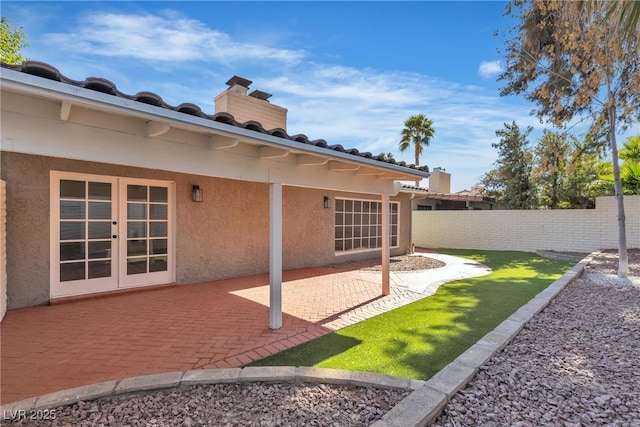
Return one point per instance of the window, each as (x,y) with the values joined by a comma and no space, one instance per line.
(358,224)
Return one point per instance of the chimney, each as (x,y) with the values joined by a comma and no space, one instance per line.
(245,106)
(239,85)
(439,181)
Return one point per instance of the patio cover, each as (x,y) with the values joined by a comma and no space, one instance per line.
(184,139)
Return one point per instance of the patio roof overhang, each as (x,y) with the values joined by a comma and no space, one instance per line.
(185,143)
(149,136)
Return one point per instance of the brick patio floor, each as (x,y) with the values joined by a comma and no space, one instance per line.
(216,324)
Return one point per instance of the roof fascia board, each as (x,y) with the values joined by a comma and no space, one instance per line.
(26,83)
(22,134)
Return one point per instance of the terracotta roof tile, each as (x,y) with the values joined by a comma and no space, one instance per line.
(49,72)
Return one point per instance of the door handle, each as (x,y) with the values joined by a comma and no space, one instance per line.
(115,236)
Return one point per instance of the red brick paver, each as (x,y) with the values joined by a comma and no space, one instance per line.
(217,324)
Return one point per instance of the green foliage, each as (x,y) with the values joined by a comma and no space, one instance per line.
(419,339)
(629,170)
(580,189)
(630,176)
(565,170)
(551,157)
(509,182)
(11,43)
(418,131)
(629,19)
(631,149)
(628,13)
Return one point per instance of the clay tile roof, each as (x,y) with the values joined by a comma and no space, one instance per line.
(49,72)
(447,196)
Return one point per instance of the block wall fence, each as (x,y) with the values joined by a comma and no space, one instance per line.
(577,230)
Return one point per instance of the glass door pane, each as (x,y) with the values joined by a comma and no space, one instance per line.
(85,239)
(147,229)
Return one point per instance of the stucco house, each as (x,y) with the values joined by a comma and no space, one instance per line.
(107,191)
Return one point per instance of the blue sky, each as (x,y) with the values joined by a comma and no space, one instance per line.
(348,72)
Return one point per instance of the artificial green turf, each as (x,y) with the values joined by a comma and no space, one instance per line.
(419,339)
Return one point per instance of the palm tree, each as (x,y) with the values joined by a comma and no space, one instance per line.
(628,17)
(418,131)
(630,169)
(631,149)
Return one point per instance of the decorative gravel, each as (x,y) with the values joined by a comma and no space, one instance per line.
(576,363)
(397,263)
(245,404)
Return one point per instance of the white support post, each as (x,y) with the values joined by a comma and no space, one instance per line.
(386,250)
(275,255)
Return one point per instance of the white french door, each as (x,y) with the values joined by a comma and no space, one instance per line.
(109,233)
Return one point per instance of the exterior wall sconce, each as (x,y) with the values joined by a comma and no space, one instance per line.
(197,194)
(327,202)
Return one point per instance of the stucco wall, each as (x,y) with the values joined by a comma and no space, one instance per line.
(3,250)
(227,235)
(580,230)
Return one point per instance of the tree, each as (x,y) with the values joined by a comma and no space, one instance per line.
(572,62)
(11,43)
(550,169)
(629,19)
(629,177)
(628,13)
(509,182)
(418,131)
(564,171)
(580,189)
(630,169)
(631,149)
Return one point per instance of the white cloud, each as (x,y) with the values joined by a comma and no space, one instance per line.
(163,38)
(490,68)
(357,108)
(365,109)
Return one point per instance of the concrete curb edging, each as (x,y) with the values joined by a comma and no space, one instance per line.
(424,405)
(421,407)
(180,379)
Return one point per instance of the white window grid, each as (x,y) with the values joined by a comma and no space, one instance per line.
(358,224)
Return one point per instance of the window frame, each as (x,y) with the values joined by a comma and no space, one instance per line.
(343,232)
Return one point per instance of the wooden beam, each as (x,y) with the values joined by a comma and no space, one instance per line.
(369,172)
(155,129)
(308,160)
(65,109)
(271,152)
(394,176)
(219,142)
(337,166)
